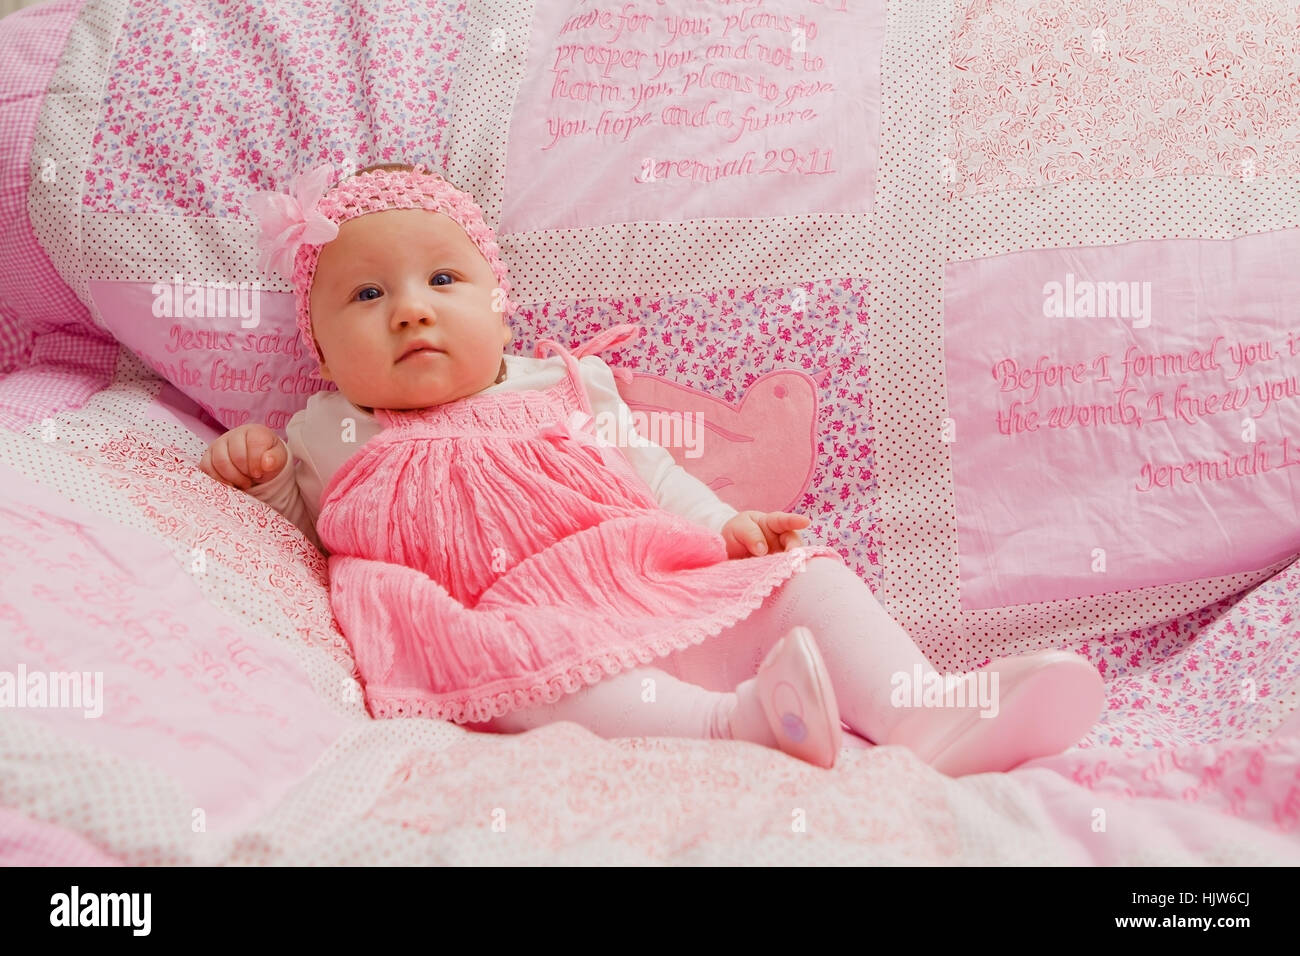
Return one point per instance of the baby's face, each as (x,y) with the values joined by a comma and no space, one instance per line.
(390,279)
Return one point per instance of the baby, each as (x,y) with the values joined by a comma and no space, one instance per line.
(494,563)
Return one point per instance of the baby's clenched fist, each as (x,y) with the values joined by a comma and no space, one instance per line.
(245,456)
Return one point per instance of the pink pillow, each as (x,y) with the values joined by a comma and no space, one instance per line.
(175,114)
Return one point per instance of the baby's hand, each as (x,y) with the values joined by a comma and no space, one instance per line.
(758,532)
(245,456)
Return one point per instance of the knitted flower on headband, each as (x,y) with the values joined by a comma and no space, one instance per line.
(294,227)
(289,221)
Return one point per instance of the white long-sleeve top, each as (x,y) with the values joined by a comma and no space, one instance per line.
(317,447)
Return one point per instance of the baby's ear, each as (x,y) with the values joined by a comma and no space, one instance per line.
(324,367)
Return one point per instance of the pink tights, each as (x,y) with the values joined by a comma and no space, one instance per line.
(694,692)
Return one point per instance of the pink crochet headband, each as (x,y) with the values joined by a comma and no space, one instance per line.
(296,225)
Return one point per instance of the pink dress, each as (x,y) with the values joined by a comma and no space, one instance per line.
(489,554)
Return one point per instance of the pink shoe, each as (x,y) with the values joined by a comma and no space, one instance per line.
(1046,702)
(798,700)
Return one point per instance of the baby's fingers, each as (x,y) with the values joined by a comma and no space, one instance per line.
(790,540)
(260,456)
(744,533)
(752,536)
(778,521)
(226,469)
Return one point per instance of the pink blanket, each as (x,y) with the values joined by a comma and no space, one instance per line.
(233,731)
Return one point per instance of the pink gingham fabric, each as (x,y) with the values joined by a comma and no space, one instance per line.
(43,325)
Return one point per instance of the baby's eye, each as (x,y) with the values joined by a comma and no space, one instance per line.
(447,274)
(368,288)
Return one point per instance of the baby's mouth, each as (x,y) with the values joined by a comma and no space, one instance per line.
(420,351)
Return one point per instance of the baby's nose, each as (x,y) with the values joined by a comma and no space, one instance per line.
(415,312)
